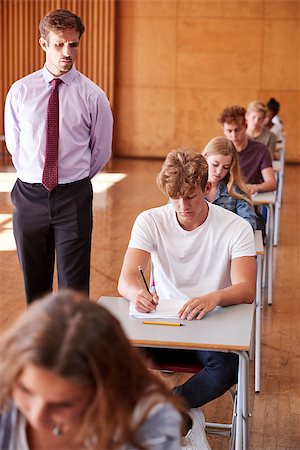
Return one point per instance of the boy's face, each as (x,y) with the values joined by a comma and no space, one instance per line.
(255,120)
(191,210)
(236,132)
(269,116)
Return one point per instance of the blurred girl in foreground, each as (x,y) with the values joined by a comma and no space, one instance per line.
(69,379)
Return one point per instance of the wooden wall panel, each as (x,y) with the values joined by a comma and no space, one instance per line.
(21,54)
(180,62)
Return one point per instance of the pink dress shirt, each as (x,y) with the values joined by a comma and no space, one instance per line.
(85,126)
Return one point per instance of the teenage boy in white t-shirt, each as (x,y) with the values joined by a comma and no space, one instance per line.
(200,252)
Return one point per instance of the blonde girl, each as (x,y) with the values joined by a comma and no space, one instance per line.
(227,186)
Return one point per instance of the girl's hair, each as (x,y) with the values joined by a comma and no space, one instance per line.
(222,146)
(182,172)
(82,342)
(273,105)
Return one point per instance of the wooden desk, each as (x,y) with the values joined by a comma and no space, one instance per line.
(224,329)
(268,199)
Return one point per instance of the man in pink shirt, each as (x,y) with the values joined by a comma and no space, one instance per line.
(56,222)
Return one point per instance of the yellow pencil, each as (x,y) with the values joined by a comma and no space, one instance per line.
(172,324)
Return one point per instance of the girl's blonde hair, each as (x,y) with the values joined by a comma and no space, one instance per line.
(222,146)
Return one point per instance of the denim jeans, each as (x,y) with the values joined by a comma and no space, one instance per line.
(219,373)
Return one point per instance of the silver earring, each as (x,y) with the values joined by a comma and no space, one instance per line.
(57,431)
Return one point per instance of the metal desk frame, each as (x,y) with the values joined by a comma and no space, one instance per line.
(226,329)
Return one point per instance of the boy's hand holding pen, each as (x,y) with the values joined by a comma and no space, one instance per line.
(145,301)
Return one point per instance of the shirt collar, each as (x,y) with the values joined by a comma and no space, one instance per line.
(67,78)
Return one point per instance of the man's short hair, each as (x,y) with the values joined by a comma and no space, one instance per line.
(257,106)
(182,172)
(233,114)
(58,20)
(273,105)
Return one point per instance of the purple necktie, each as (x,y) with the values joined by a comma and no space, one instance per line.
(50,171)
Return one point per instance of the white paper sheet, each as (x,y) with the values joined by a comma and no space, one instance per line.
(166,309)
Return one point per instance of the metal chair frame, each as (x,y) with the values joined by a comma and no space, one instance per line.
(220,429)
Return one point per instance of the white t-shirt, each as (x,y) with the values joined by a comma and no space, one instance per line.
(277,128)
(187,264)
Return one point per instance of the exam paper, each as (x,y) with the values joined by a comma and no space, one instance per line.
(167,308)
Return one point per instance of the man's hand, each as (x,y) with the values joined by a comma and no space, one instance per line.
(198,307)
(145,302)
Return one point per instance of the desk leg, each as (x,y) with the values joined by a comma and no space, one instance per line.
(281,175)
(239,409)
(264,273)
(258,323)
(242,429)
(252,345)
(270,254)
(276,224)
(276,221)
(245,362)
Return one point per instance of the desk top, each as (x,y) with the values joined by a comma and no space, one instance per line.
(264,198)
(226,328)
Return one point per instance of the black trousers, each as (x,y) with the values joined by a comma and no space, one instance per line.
(46,223)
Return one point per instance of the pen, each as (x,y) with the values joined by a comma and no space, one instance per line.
(144,279)
(146,284)
(172,324)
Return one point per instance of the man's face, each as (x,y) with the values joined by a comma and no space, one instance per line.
(255,120)
(191,210)
(61,50)
(236,132)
